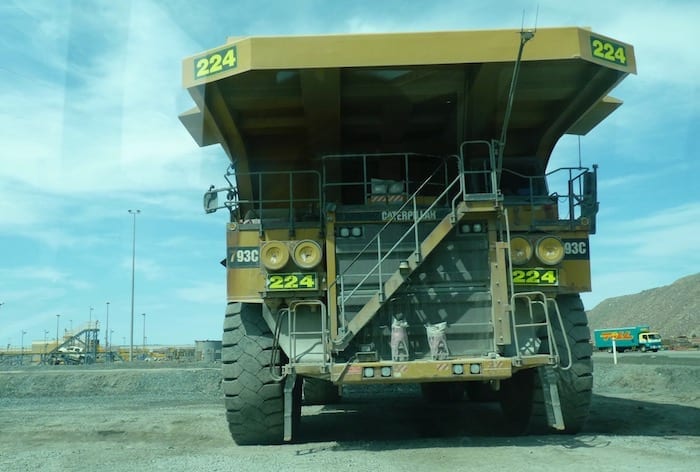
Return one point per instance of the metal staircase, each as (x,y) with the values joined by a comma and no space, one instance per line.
(397,279)
(461,204)
(312,341)
(85,337)
(380,289)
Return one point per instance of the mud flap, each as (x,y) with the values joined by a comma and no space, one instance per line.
(289,382)
(550,392)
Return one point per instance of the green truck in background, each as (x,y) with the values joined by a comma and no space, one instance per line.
(630,338)
(392,217)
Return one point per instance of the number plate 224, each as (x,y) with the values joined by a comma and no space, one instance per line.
(294,281)
(548,277)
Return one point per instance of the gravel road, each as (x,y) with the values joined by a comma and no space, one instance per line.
(645,416)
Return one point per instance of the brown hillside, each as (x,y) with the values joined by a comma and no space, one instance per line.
(672,310)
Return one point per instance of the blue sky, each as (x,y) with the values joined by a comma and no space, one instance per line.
(90,92)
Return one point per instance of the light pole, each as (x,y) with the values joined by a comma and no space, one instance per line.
(58,317)
(144,335)
(90,319)
(133,271)
(21,349)
(46,337)
(107,332)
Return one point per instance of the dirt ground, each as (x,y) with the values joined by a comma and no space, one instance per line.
(645,416)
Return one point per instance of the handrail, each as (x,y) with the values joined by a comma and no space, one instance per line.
(574,194)
(393,217)
(414,227)
(493,169)
(366,180)
(234,202)
(530,300)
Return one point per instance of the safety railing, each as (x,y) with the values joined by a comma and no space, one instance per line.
(572,202)
(479,174)
(533,300)
(299,200)
(375,244)
(372,178)
(462,187)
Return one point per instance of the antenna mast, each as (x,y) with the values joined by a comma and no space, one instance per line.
(525,36)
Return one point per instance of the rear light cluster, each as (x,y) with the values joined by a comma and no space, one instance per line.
(350,231)
(467,227)
(306,254)
(549,250)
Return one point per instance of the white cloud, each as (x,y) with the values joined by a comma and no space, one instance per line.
(669,234)
(90,114)
(645,176)
(37,274)
(117,129)
(639,253)
(624,181)
(671,231)
(621,282)
(203,292)
(144,266)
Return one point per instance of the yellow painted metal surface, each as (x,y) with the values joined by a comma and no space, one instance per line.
(575,276)
(246,279)
(499,290)
(428,370)
(397,49)
(282,102)
(243,284)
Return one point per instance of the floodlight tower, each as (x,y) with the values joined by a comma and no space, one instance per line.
(133,267)
(107,331)
(144,334)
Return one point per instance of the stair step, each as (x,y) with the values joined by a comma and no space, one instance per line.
(398,278)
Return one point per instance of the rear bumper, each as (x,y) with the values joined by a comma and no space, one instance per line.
(453,370)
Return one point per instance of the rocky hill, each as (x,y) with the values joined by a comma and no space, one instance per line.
(672,310)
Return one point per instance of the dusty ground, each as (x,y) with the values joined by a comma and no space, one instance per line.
(645,416)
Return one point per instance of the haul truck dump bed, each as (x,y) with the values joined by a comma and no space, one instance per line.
(392,218)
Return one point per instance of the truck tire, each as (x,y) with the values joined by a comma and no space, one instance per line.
(319,392)
(443,392)
(575,384)
(254,399)
(518,396)
(481,392)
(525,412)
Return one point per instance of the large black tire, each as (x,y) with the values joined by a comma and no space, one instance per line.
(254,398)
(575,384)
(517,396)
(481,392)
(443,392)
(319,392)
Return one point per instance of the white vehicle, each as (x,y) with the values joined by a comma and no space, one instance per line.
(71,349)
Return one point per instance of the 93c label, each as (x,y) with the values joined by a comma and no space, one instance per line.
(243,256)
(576,249)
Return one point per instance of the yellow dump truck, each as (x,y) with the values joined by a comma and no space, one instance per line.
(393,218)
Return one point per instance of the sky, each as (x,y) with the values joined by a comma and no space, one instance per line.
(90,92)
